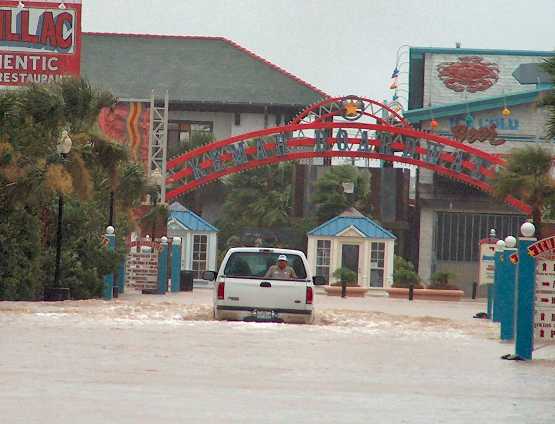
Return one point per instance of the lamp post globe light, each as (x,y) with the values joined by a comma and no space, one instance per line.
(156,178)
(510,242)
(528,229)
(348,187)
(63,148)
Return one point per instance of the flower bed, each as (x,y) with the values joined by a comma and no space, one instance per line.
(353,291)
(426,294)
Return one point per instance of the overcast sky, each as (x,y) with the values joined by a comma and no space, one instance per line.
(342,47)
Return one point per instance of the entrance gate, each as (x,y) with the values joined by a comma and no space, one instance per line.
(349,127)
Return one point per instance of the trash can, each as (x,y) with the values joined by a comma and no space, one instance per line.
(186,280)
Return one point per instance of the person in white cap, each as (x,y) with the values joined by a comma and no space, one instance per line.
(282,270)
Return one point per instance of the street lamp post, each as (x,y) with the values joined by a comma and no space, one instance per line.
(111,217)
(63,148)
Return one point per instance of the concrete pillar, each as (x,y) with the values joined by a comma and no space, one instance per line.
(426,243)
(507,295)
(163,267)
(108,289)
(176,264)
(526,287)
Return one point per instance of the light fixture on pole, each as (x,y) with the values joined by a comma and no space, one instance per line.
(63,148)
(528,229)
(510,242)
(348,187)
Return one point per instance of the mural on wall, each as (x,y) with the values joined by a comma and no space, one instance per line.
(128,123)
(469,73)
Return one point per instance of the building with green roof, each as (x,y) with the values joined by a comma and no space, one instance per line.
(216,89)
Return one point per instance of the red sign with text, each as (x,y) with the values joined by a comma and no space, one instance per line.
(40,41)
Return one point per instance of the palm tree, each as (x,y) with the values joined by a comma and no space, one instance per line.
(527,177)
(330,198)
(157,214)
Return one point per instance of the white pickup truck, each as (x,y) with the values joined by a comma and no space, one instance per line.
(243,291)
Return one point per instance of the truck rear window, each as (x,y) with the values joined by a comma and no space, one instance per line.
(257,264)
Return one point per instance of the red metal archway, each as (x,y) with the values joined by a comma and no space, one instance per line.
(351,127)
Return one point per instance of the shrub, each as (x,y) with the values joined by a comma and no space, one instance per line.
(440,281)
(404,274)
(347,275)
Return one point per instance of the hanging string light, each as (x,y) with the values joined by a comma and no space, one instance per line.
(506,112)
(433,123)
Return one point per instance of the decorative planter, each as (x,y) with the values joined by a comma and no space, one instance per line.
(351,291)
(426,294)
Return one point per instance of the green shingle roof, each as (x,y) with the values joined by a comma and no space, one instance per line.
(193,69)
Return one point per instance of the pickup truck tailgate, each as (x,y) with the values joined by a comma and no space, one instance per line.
(265,294)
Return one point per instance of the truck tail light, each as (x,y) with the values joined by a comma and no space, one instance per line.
(309,295)
(221,290)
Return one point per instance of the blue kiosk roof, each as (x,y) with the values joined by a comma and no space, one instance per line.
(351,218)
(189,219)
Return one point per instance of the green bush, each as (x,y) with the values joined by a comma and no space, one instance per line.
(347,275)
(20,275)
(440,281)
(404,274)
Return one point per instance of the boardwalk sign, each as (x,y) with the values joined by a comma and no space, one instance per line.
(141,267)
(544,306)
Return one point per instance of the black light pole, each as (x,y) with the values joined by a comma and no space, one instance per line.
(63,148)
(59,239)
(111,217)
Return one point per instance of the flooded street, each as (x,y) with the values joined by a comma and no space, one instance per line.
(152,359)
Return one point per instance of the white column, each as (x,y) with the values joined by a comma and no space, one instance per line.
(389,257)
(334,256)
(311,254)
(189,251)
(212,251)
(364,264)
(426,243)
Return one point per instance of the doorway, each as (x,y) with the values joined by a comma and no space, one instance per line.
(349,257)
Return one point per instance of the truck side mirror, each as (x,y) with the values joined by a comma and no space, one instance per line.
(318,280)
(209,275)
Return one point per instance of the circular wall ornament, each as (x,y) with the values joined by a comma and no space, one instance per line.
(353,108)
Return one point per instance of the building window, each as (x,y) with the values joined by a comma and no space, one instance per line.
(377,264)
(457,235)
(200,248)
(323,249)
(181,133)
